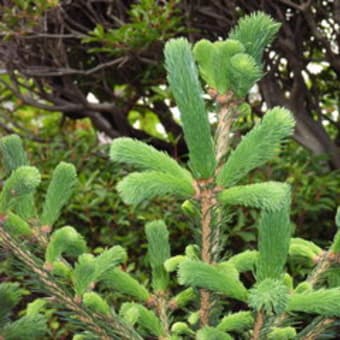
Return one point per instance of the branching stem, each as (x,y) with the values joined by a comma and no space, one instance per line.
(319,327)
(207,199)
(226,115)
(162,311)
(323,264)
(206,190)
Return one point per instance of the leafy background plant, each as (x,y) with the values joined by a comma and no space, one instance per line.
(129,76)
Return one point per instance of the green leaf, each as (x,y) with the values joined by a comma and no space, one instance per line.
(181,328)
(214,60)
(35,307)
(237,322)
(158,252)
(185,86)
(59,191)
(288,281)
(315,249)
(245,261)
(10,295)
(303,287)
(146,318)
(145,157)
(270,196)
(65,240)
(302,248)
(255,32)
(274,232)
(25,206)
(138,187)
(63,269)
(96,303)
(14,156)
(84,273)
(258,146)
(282,333)
(269,295)
(173,262)
(13,153)
(202,275)
(204,53)
(23,181)
(16,226)
(183,298)
(90,269)
(244,73)
(22,329)
(110,258)
(335,247)
(210,333)
(194,318)
(337,217)
(324,302)
(116,279)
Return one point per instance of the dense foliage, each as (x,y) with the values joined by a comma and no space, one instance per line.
(55,53)
(280,288)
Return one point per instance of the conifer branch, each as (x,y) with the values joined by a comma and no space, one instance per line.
(317,329)
(92,321)
(187,90)
(324,263)
(258,146)
(12,152)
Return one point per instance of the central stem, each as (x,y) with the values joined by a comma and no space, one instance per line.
(225,118)
(206,190)
(207,203)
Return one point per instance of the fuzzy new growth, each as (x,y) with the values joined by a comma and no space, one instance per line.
(85,286)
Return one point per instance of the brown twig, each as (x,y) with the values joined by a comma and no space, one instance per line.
(323,264)
(226,115)
(206,196)
(162,311)
(258,326)
(206,193)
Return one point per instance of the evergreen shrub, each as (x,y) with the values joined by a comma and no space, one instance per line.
(203,293)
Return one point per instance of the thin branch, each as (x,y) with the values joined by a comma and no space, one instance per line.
(314,333)
(92,320)
(44,71)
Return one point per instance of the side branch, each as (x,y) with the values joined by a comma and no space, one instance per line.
(92,320)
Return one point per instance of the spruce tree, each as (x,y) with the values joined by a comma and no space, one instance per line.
(210,284)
